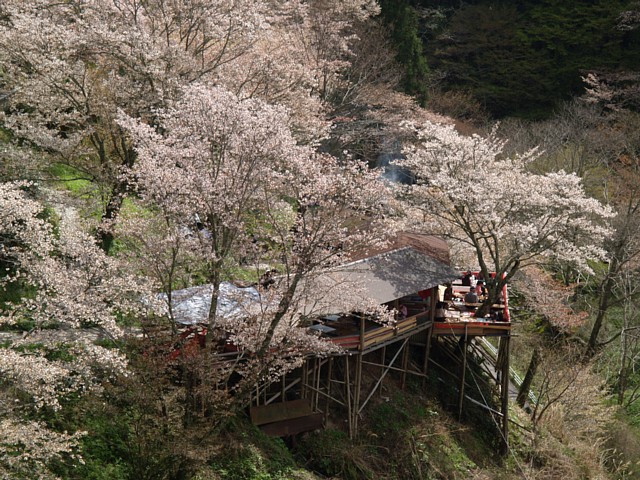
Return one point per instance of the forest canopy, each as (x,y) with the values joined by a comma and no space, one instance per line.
(522,58)
(246,150)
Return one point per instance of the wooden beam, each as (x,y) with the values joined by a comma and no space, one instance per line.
(463,341)
(320,392)
(433,298)
(328,398)
(387,368)
(293,426)
(356,393)
(382,365)
(277,395)
(405,362)
(427,352)
(504,343)
(347,386)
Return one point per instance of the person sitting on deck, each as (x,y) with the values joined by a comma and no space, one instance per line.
(471,296)
(480,289)
(448,293)
(466,280)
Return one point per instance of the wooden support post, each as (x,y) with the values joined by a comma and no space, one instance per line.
(387,369)
(312,381)
(356,393)
(283,387)
(347,386)
(427,352)
(328,398)
(433,299)
(504,391)
(305,378)
(405,363)
(382,367)
(318,384)
(463,343)
(358,380)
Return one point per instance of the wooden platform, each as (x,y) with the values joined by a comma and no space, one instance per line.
(472,328)
(377,334)
(286,418)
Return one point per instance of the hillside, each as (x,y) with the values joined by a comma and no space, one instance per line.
(521,58)
(250,151)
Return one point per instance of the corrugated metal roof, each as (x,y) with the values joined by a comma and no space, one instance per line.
(430,245)
(395,274)
(383,277)
(191,305)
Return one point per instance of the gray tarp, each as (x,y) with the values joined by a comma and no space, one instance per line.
(383,277)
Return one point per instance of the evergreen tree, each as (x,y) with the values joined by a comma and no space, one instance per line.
(403,21)
(522,58)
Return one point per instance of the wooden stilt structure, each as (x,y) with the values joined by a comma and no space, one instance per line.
(328,396)
(347,389)
(345,382)
(463,346)
(383,357)
(504,393)
(405,363)
(427,351)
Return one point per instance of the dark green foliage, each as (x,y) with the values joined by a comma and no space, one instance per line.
(247,453)
(484,55)
(444,386)
(393,417)
(59,352)
(522,58)
(403,20)
(332,453)
(105,448)
(403,436)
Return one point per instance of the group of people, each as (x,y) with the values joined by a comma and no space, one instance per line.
(476,293)
(477,289)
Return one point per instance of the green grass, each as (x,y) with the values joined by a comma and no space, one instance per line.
(248,454)
(73,180)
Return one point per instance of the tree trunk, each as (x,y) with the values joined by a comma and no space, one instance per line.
(603,306)
(105,233)
(623,374)
(523,393)
(214,335)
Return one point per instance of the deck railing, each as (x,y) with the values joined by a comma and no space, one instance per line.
(376,335)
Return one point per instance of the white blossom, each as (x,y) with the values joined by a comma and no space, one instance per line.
(510,217)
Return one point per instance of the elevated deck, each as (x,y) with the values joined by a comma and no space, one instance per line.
(345,331)
(286,418)
(471,328)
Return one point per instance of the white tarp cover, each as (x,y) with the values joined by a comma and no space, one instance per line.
(191,305)
(383,278)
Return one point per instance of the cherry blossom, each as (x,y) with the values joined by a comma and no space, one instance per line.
(66,284)
(20,439)
(509,216)
(69,67)
(231,183)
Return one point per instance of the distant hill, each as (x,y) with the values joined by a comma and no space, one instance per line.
(520,58)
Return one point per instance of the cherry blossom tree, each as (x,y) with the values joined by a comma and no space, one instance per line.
(61,284)
(232,186)
(68,67)
(510,217)
(623,249)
